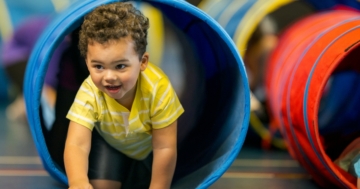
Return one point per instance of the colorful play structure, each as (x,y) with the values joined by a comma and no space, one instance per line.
(214,137)
(310,76)
(309,81)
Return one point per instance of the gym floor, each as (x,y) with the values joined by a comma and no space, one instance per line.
(20,166)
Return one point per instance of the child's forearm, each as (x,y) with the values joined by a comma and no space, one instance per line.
(76,164)
(77,149)
(163,168)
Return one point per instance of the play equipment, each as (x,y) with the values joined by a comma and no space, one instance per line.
(214,136)
(254,25)
(313,91)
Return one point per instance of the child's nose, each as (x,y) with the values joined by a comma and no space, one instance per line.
(110,75)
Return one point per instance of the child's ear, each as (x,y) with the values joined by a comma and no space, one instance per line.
(144,61)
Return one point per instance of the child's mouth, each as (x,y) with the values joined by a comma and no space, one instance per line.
(113,89)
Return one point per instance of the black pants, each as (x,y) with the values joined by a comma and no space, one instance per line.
(105,162)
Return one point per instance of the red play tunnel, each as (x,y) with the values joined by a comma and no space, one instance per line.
(313,92)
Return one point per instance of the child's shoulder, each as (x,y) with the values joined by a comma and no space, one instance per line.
(154,73)
(153,67)
(152,77)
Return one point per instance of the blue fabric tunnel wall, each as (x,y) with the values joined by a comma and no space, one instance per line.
(213,137)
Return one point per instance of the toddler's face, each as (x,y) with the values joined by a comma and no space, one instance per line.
(115,67)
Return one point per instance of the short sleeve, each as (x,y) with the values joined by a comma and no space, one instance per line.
(166,107)
(84,110)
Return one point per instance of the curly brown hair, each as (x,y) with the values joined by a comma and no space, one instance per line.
(112,22)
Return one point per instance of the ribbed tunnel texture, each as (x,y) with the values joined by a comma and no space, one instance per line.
(221,91)
(311,57)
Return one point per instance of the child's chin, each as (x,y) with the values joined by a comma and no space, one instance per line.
(114,96)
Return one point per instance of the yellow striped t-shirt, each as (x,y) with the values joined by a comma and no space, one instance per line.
(155,106)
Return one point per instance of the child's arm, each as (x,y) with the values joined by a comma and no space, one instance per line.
(77,148)
(165,153)
(358,183)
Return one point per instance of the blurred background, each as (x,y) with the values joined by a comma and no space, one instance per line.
(267,159)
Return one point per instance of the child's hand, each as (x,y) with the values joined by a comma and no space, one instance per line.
(81,185)
(358,183)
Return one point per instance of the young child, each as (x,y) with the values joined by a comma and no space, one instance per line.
(130,103)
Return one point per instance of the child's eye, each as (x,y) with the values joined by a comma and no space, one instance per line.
(120,66)
(99,67)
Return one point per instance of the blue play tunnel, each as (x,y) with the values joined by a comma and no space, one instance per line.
(215,123)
